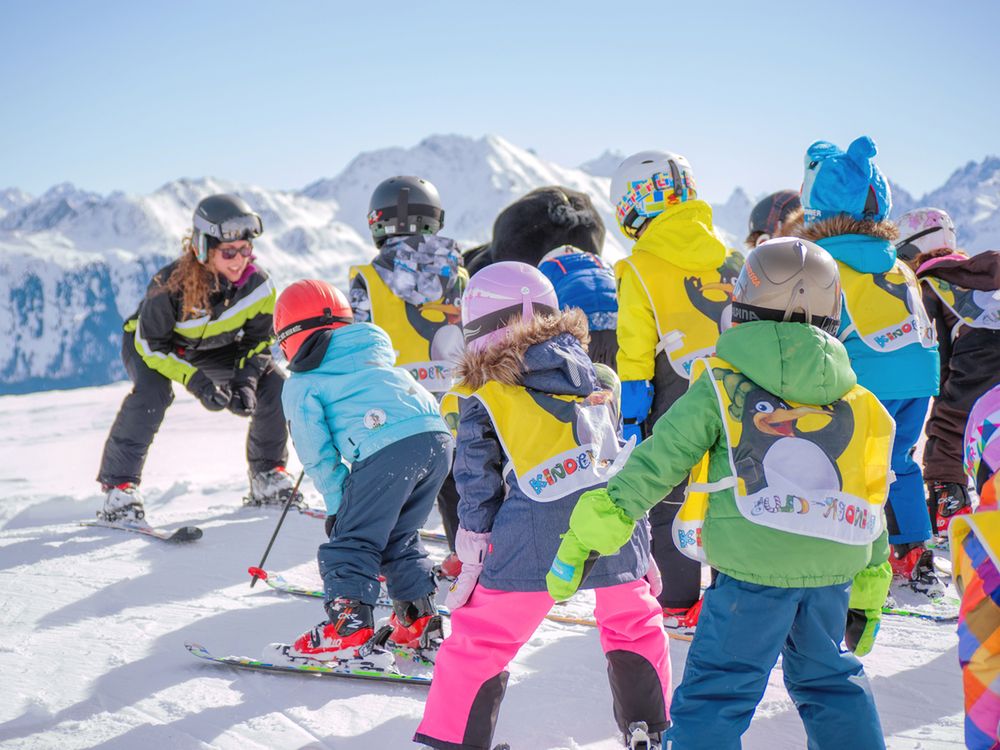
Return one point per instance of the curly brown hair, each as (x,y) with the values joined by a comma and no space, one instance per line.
(193,281)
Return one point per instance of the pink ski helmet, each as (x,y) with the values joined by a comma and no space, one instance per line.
(499,294)
(922,230)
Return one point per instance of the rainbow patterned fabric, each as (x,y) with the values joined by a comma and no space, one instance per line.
(975,541)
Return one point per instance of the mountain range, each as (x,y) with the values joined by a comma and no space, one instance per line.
(74,263)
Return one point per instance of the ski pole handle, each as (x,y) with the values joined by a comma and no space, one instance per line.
(284,512)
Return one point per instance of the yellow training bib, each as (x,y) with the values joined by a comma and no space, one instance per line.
(817,471)
(885,308)
(973,307)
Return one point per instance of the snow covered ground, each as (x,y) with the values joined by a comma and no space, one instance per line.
(94,621)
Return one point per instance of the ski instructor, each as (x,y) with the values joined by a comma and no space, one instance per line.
(205,322)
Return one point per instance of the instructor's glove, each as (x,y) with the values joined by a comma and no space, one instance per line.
(471,548)
(243,401)
(596,526)
(212,396)
(864,614)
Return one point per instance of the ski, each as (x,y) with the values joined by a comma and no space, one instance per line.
(181,534)
(433,536)
(278,582)
(343,671)
(932,616)
(591,622)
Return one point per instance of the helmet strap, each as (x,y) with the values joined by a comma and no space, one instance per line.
(402,210)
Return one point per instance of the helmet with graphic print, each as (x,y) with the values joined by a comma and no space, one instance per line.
(645,184)
(222,218)
(307,306)
(404,205)
(769,214)
(789,280)
(922,230)
(500,294)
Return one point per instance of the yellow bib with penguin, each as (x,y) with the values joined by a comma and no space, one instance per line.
(690,311)
(816,471)
(885,308)
(427,343)
(975,308)
(555,445)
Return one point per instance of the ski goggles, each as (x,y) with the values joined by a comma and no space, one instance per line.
(231,252)
(244,227)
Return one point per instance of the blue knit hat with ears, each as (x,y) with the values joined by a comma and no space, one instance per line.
(838,182)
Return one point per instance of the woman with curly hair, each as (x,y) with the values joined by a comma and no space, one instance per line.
(206,323)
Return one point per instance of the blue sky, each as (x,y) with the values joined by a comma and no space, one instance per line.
(129,95)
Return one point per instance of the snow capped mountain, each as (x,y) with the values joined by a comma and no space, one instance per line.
(74,264)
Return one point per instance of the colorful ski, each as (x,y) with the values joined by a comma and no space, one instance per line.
(591,622)
(181,534)
(278,582)
(354,673)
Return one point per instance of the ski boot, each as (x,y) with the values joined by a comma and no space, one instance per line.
(682,619)
(272,487)
(640,738)
(417,630)
(914,564)
(946,500)
(122,504)
(347,637)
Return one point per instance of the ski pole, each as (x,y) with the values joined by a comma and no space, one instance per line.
(258,572)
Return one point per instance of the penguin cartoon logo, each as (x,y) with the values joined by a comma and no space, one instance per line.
(714,300)
(772,441)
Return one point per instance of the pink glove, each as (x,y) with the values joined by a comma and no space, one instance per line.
(654,578)
(471,548)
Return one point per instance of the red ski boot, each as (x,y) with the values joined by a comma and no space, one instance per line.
(416,627)
(946,500)
(682,619)
(344,637)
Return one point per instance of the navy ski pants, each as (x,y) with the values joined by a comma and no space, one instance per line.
(742,629)
(387,498)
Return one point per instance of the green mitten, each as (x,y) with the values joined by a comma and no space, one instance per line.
(599,524)
(864,614)
(566,573)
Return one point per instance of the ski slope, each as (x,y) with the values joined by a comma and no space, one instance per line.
(94,621)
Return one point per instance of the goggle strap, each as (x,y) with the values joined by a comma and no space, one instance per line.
(320,321)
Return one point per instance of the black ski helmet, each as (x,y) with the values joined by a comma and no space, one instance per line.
(404,205)
(770,213)
(223,218)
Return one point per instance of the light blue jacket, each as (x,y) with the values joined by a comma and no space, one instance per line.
(910,372)
(345,401)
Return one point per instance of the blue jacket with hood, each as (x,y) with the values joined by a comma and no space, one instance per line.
(345,401)
(543,355)
(910,372)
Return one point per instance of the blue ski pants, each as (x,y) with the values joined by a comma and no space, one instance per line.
(742,629)
(906,509)
(387,498)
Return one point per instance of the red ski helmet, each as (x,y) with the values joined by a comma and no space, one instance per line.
(307,306)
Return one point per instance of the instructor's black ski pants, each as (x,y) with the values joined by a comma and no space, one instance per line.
(142,412)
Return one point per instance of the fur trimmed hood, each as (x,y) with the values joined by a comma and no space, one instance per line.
(505,363)
(844,224)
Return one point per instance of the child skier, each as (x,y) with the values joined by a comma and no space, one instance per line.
(674,299)
(975,552)
(583,280)
(794,457)
(962,300)
(884,327)
(205,323)
(346,401)
(536,430)
(412,290)
(769,218)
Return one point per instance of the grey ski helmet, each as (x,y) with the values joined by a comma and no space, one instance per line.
(223,218)
(789,280)
(770,213)
(404,205)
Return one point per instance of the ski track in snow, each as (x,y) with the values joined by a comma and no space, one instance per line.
(95,620)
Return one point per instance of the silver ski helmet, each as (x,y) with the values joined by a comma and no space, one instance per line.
(223,218)
(404,205)
(789,280)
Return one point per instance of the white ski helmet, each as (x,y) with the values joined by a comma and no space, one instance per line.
(922,230)
(645,184)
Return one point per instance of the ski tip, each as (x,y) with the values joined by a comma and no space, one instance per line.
(186,534)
